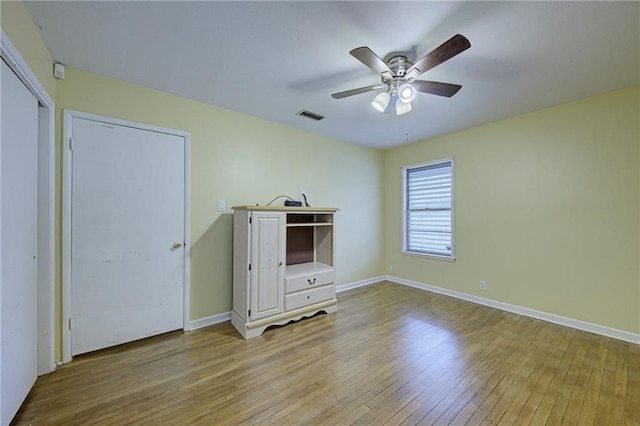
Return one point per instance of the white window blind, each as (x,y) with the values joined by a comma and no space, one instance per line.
(428,209)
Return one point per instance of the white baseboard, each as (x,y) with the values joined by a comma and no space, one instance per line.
(556,319)
(350,286)
(211,320)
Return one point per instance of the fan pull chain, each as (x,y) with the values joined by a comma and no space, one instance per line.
(406,130)
(396,120)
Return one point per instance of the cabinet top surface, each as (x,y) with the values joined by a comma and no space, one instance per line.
(287,209)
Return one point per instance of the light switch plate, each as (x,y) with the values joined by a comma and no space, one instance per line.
(222,206)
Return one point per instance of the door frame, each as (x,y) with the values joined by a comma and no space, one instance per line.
(46,268)
(67,165)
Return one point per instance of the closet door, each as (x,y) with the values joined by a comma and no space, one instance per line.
(18,235)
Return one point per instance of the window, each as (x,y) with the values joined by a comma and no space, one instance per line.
(428,209)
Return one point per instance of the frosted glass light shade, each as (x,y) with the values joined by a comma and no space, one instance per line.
(381,101)
(406,92)
(402,108)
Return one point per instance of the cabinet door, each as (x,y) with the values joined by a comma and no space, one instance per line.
(268,232)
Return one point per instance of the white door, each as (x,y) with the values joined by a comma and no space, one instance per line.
(267,268)
(18,230)
(127,234)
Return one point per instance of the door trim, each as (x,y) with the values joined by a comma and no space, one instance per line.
(69,115)
(46,267)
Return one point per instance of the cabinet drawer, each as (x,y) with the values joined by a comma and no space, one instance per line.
(309,281)
(309,297)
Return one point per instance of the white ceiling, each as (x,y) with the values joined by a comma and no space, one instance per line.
(272,59)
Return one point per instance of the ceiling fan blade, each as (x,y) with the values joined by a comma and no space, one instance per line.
(370,59)
(392,104)
(357,91)
(447,50)
(436,88)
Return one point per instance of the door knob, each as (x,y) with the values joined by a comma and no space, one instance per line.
(177,245)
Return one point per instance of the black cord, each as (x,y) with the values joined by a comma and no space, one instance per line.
(280,196)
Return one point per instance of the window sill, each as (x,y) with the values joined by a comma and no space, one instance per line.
(428,256)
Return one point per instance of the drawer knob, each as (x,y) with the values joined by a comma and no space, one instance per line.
(311,282)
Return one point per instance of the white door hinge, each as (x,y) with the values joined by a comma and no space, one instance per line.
(69,323)
(71,144)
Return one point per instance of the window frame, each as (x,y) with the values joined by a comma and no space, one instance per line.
(405,196)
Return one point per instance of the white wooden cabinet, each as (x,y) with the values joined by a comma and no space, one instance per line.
(283,265)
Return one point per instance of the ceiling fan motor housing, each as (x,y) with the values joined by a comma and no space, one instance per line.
(399,65)
(399,83)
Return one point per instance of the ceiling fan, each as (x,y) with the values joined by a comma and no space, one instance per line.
(398,75)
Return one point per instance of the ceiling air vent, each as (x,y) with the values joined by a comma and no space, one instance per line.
(311,115)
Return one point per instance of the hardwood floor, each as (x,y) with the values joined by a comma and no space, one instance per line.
(390,355)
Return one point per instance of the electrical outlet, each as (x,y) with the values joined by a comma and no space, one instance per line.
(483,285)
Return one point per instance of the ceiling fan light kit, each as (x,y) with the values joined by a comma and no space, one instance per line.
(398,75)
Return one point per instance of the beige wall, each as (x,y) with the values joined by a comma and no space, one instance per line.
(245,160)
(234,157)
(546,203)
(546,210)
(18,26)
